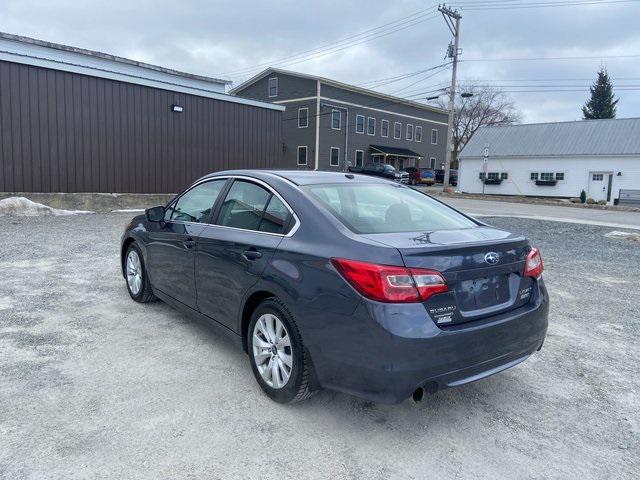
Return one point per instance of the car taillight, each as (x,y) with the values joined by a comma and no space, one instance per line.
(386,283)
(534,266)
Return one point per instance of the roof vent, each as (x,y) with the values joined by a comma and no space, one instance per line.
(349,176)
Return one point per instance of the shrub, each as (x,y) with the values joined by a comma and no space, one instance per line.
(591,201)
(583,196)
(602,202)
(575,200)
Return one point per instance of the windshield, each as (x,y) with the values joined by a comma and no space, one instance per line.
(386,208)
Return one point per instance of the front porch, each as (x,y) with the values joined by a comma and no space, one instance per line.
(400,158)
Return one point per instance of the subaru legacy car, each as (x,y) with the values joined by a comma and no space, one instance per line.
(341,281)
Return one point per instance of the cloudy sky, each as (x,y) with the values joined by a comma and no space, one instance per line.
(361,42)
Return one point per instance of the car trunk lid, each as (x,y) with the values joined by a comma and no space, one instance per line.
(483,268)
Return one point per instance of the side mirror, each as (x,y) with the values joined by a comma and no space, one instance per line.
(155,214)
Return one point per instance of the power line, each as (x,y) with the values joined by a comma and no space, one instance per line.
(514,6)
(349,41)
(523,59)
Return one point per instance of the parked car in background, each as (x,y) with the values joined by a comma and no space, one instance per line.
(367,286)
(414,175)
(383,170)
(427,176)
(453,177)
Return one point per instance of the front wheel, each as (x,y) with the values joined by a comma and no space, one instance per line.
(278,359)
(136,274)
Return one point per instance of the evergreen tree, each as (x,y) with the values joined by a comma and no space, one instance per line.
(602,103)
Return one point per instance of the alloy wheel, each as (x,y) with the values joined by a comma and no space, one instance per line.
(134,272)
(272,350)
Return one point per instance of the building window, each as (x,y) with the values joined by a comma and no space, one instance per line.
(546,176)
(559,176)
(434,137)
(359,158)
(335,157)
(302,155)
(371,126)
(597,177)
(409,131)
(432,163)
(493,176)
(335,119)
(359,123)
(534,176)
(504,176)
(303,117)
(384,128)
(418,134)
(397,130)
(273,87)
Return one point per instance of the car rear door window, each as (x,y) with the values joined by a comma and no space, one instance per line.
(195,205)
(244,205)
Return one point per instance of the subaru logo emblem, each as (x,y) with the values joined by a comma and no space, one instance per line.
(492,258)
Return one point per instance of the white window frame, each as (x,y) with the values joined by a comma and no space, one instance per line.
(415,133)
(382,122)
(306,116)
(269,87)
(334,111)
(364,124)
(564,176)
(399,137)
(355,158)
(306,155)
(374,126)
(331,164)
(436,131)
(407,137)
(432,163)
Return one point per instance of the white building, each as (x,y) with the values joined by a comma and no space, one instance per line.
(561,159)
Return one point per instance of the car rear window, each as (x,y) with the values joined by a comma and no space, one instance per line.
(385,208)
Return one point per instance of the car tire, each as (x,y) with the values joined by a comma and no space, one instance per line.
(136,277)
(269,365)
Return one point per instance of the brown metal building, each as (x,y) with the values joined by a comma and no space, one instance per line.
(73,120)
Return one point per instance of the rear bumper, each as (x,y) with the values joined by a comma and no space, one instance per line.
(402,349)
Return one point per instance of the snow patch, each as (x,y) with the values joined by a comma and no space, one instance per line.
(633,236)
(23,207)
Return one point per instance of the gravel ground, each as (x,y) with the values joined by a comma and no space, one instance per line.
(93,385)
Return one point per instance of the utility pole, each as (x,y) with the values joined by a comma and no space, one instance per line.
(452,19)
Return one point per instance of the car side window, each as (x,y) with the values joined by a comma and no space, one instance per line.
(244,205)
(276,217)
(195,205)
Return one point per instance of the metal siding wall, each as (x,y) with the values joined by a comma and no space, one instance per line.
(63,132)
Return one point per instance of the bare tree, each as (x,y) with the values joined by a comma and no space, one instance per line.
(487,106)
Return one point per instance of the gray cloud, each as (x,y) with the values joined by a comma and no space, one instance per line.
(210,38)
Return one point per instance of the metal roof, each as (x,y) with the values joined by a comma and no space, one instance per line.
(112,58)
(335,83)
(579,138)
(38,53)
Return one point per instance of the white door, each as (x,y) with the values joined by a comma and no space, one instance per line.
(599,185)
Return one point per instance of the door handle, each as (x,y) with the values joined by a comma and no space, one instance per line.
(251,254)
(189,243)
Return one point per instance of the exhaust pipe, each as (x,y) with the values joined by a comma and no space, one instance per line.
(418,394)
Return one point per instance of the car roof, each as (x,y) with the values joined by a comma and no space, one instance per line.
(304,177)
